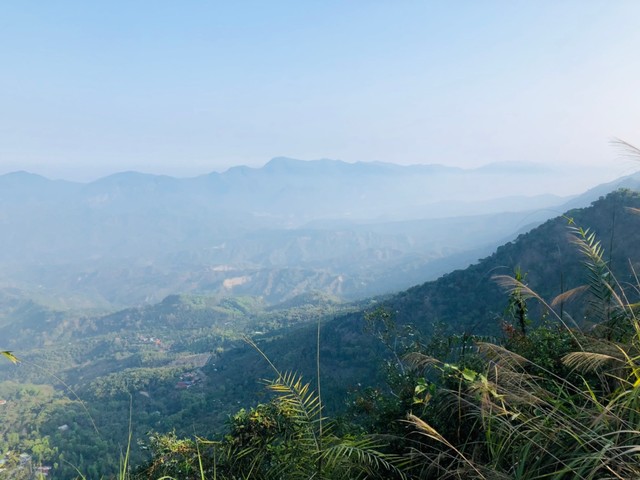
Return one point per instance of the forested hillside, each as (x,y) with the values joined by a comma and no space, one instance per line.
(159,363)
(470,301)
(182,364)
(527,404)
(545,254)
(457,403)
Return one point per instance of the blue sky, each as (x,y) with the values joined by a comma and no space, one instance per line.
(182,88)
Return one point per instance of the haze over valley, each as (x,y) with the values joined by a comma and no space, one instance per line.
(275,232)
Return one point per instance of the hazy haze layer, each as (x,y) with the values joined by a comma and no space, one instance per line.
(188,88)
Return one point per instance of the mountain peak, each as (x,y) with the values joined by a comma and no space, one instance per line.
(285,163)
(23,176)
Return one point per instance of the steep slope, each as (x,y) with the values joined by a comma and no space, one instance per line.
(469,300)
(464,301)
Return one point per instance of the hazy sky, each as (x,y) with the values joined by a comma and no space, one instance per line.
(188,87)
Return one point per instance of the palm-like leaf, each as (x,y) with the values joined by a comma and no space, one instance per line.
(601,282)
(298,400)
(361,458)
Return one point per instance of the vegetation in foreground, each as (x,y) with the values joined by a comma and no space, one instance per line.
(547,400)
(550,400)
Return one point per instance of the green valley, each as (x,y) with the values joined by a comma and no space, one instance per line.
(85,382)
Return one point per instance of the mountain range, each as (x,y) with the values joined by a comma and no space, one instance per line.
(346,229)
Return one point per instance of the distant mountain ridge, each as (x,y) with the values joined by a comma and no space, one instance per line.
(348,229)
(286,191)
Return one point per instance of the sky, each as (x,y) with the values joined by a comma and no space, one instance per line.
(186,88)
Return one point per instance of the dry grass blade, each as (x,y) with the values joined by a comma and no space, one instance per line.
(516,388)
(420,360)
(432,433)
(500,354)
(511,285)
(633,210)
(627,149)
(425,428)
(569,295)
(588,361)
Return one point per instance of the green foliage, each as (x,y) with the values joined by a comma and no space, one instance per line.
(517,308)
(466,301)
(600,278)
(140,353)
(554,404)
(544,402)
(283,439)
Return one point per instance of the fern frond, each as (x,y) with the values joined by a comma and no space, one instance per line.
(296,395)
(363,456)
(301,402)
(601,282)
(587,243)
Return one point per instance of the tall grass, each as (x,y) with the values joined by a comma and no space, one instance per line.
(581,421)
